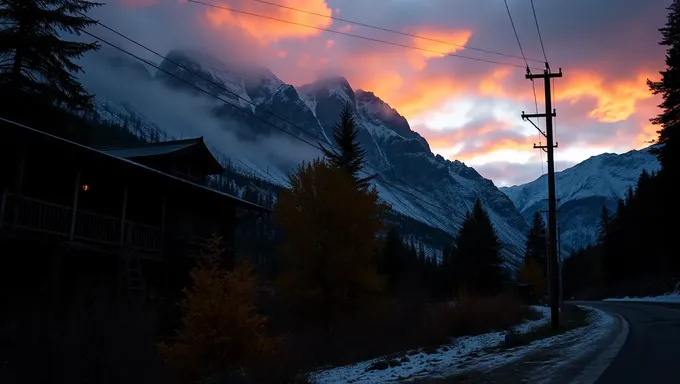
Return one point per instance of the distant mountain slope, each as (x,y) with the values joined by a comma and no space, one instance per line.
(581,192)
(418,184)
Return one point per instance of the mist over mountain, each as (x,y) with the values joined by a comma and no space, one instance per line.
(248,115)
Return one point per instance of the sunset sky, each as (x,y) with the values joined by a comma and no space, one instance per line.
(467,110)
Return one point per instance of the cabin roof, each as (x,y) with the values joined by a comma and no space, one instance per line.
(128,162)
(195,146)
(144,150)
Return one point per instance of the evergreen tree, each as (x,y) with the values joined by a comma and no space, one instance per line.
(36,61)
(393,259)
(604,226)
(331,235)
(478,255)
(669,89)
(536,246)
(349,156)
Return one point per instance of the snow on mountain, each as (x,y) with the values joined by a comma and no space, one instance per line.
(582,190)
(411,178)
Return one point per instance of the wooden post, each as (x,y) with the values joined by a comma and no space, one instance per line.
(163,214)
(163,208)
(3,206)
(19,186)
(123,214)
(74,210)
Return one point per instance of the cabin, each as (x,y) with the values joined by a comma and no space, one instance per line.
(143,204)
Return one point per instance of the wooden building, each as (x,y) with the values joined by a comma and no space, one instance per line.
(148,202)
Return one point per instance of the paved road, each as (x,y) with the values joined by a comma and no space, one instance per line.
(651,353)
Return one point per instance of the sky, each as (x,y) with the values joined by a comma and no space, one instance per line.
(467,109)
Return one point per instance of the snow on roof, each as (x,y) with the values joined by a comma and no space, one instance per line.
(143,150)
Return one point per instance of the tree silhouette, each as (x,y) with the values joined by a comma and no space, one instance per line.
(330,238)
(669,89)
(35,60)
(536,246)
(478,259)
(349,156)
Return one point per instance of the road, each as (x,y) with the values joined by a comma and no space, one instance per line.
(650,354)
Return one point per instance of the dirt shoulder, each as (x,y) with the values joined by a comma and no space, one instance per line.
(544,355)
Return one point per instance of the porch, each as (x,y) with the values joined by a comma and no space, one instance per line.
(24,216)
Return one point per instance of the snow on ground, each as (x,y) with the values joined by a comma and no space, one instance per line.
(471,353)
(667,298)
(420,365)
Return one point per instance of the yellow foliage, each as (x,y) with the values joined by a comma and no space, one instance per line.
(531,273)
(330,230)
(219,327)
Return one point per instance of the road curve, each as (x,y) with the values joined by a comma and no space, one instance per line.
(650,354)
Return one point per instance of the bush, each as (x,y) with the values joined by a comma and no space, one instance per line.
(390,330)
(476,315)
(220,333)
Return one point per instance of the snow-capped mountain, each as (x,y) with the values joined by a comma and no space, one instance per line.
(582,190)
(417,184)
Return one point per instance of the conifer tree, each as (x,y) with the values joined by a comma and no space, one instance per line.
(536,246)
(35,61)
(604,226)
(669,89)
(331,233)
(349,156)
(478,255)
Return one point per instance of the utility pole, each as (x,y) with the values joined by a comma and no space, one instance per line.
(553,268)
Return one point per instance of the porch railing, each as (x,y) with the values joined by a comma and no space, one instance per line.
(29,214)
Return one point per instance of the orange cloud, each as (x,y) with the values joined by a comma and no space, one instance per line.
(282,54)
(270,31)
(330,43)
(616,99)
(447,42)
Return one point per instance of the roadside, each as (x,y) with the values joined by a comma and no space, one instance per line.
(425,362)
(532,353)
(673,297)
(549,356)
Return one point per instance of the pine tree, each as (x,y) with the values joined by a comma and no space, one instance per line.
(669,89)
(604,226)
(536,246)
(478,255)
(330,238)
(37,62)
(393,259)
(349,156)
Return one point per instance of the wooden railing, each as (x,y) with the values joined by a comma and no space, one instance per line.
(23,213)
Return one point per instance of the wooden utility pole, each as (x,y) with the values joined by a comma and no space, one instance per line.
(553,267)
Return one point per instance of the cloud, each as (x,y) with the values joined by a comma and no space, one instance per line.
(266,30)
(467,109)
(184,115)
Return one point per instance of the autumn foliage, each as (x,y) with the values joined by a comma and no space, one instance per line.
(220,329)
(331,230)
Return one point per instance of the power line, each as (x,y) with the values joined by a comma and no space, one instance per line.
(415,36)
(538,30)
(512,23)
(357,36)
(378,177)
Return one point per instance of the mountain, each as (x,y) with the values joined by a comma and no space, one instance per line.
(420,186)
(582,190)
